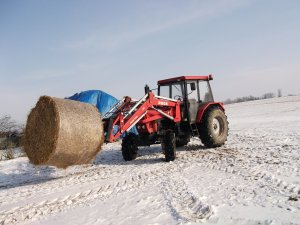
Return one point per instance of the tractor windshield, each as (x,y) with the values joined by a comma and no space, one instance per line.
(173,90)
(164,91)
(200,91)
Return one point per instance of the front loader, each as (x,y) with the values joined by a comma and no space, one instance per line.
(184,107)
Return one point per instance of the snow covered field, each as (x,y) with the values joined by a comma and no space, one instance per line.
(253,179)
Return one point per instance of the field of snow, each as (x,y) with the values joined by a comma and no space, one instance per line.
(253,179)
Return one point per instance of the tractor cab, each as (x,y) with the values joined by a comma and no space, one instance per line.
(193,91)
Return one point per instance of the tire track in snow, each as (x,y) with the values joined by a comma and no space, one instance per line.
(60,182)
(56,205)
(89,176)
(233,161)
(263,161)
(241,165)
(236,162)
(183,204)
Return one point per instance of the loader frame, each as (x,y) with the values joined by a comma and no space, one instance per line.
(150,108)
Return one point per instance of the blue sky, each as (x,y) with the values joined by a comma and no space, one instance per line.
(60,47)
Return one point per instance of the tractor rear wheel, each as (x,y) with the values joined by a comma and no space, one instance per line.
(129,147)
(214,128)
(168,144)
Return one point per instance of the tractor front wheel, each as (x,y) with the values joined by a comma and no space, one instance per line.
(214,128)
(129,147)
(168,144)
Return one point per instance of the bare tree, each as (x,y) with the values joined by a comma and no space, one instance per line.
(11,134)
(279,93)
(268,95)
(7,124)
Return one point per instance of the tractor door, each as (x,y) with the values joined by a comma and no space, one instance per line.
(193,103)
(198,93)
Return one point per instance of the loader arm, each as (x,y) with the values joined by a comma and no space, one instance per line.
(126,114)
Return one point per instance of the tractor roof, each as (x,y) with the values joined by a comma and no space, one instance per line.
(183,78)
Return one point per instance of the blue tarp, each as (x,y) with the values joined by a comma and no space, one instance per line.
(101,100)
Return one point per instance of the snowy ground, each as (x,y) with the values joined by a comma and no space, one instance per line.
(11,153)
(253,179)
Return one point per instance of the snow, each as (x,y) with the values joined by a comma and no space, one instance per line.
(253,179)
(5,154)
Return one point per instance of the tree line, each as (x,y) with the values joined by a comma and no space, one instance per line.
(10,132)
(253,98)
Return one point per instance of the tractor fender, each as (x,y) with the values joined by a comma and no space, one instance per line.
(204,107)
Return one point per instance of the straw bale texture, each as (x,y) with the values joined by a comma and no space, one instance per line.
(61,132)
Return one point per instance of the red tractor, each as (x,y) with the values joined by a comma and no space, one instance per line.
(183,108)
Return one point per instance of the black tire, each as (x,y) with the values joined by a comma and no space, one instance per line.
(214,128)
(129,147)
(168,144)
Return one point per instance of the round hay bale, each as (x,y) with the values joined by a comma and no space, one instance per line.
(61,132)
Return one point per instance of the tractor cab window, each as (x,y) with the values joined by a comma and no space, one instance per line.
(176,91)
(205,92)
(164,91)
(173,91)
(192,90)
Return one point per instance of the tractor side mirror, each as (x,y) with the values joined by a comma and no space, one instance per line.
(193,86)
(147,89)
